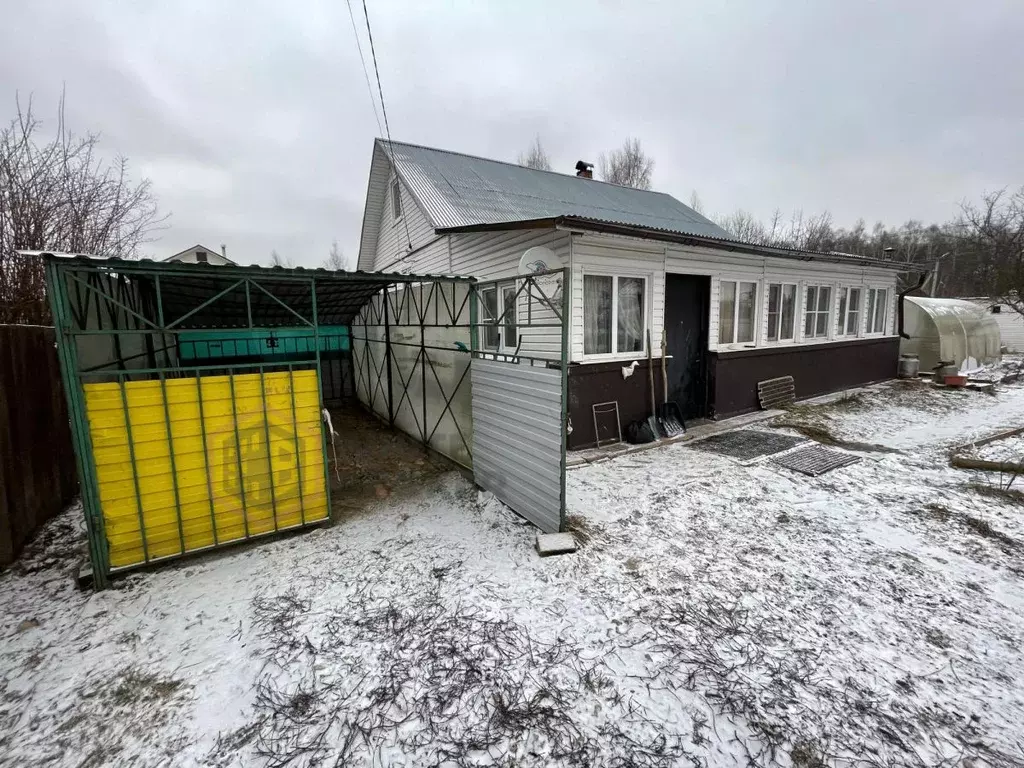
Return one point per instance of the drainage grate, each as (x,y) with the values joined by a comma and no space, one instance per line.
(815,460)
(745,444)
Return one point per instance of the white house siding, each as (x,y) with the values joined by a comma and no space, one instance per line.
(724,265)
(394,236)
(496,256)
(607,254)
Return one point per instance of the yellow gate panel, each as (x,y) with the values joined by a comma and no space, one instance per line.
(225,458)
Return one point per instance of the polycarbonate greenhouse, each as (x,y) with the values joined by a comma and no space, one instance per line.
(949,331)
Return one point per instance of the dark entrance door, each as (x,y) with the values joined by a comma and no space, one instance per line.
(686,338)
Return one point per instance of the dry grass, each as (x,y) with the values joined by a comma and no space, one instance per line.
(820,432)
(1013,495)
(135,687)
(971,524)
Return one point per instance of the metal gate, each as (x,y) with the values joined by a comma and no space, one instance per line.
(520,394)
(478,372)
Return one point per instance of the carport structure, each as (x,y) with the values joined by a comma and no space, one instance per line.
(196,392)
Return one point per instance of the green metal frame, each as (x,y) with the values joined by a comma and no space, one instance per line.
(132,293)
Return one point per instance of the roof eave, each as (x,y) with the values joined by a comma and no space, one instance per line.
(591,225)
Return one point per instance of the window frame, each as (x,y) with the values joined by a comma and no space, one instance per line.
(738,281)
(510,323)
(843,318)
(615,354)
(829,312)
(870,302)
(782,284)
(395,189)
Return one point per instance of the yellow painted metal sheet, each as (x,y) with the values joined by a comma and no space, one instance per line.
(238,486)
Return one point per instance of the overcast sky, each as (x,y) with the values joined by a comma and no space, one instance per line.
(254,122)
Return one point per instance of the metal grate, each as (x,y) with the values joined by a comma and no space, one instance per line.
(745,444)
(815,460)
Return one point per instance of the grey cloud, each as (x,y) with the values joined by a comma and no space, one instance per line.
(254,123)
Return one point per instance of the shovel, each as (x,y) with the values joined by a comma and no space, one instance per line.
(652,420)
(670,417)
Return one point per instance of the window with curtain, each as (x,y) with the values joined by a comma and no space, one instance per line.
(848,312)
(614,319)
(877,309)
(508,315)
(817,309)
(737,311)
(781,311)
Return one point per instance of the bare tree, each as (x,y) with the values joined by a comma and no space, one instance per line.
(696,203)
(56,194)
(994,232)
(277,260)
(335,260)
(628,165)
(535,157)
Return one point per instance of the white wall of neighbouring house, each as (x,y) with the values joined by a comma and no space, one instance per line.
(1011,323)
(191,256)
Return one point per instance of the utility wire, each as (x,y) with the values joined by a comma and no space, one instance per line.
(384,110)
(362,60)
(380,90)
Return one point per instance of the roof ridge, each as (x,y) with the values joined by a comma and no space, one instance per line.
(524,167)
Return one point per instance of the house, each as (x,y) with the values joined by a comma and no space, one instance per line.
(1011,322)
(200,254)
(642,265)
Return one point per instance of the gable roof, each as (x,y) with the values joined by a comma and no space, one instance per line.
(464,193)
(200,246)
(455,190)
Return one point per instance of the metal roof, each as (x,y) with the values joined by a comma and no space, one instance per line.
(457,190)
(185,285)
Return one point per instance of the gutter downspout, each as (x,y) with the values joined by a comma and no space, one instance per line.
(899,305)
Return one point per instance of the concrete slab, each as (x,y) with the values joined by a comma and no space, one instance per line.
(555,544)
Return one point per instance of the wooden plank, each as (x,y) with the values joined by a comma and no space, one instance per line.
(966,462)
(37,463)
(772,393)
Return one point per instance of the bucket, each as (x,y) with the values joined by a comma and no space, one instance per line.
(908,367)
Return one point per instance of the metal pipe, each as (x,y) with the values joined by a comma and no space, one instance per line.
(899,304)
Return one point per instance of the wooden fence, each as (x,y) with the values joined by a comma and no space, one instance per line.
(38,476)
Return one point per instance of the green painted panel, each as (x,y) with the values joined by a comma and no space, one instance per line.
(260,345)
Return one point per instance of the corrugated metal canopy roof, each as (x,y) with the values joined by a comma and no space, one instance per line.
(457,190)
(185,286)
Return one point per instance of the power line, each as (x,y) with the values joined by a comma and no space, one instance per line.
(376,71)
(384,110)
(362,60)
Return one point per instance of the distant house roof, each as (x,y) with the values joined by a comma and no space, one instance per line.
(457,190)
(200,247)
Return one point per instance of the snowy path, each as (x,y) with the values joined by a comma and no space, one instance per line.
(717,614)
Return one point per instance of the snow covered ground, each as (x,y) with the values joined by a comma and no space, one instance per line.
(718,613)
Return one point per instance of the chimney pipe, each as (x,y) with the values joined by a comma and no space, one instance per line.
(223,250)
(584,169)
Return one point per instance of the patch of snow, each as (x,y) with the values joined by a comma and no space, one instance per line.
(717,613)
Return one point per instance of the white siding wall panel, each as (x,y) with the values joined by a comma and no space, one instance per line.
(395,235)
(517,438)
(496,256)
(725,265)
